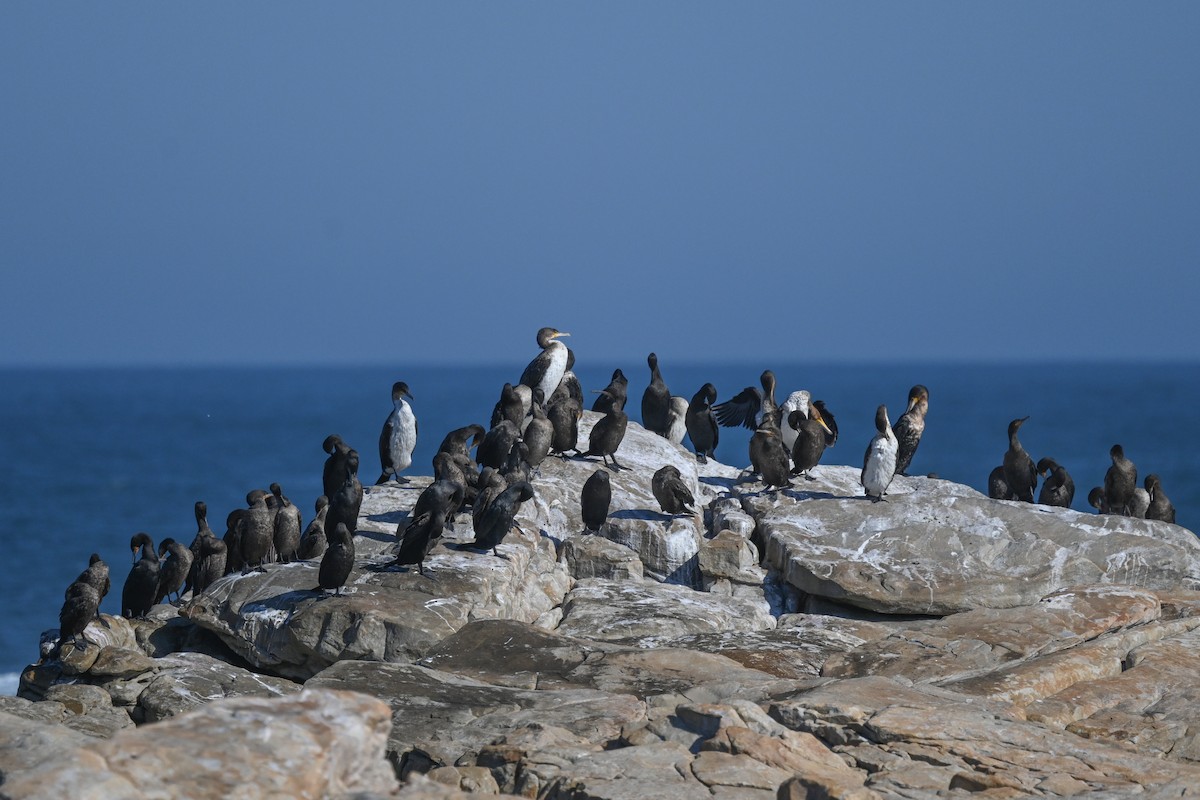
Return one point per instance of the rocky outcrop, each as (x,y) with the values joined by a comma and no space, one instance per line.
(773,644)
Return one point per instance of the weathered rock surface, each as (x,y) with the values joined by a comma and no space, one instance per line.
(316,744)
(937,547)
(963,645)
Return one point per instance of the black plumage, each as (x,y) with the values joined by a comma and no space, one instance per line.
(831,435)
(288,522)
(81,606)
(1119,482)
(509,407)
(656,400)
(614,395)
(701,424)
(497,444)
(1058,489)
(233,540)
(564,416)
(313,541)
(141,585)
(491,484)
(209,563)
(461,441)
(672,494)
(810,439)
(595,499)
(97,576)
(335,466)
(257,530)
(1020,473)
(606,436)
(750,406)
(497,519)
(346,501)
(202,529)
(420,534)
(338,561)
(998,486)
(910,427)
(768,457)
(1160,507)
(175,562)
(1096,500)
(538,436)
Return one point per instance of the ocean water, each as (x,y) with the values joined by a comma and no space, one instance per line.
(93,456)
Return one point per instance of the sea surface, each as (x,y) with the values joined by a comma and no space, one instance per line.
(92,456)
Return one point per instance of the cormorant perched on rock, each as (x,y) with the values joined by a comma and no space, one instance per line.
(497,519)
(456,441)
(810,431)
(497,444)
(510,406)
(286,534)
(433,509)
(313,542)
(258,531)
(81,606)
(796,401)
(337,562)
(702,426)
(656,400)
(1020,473)
(1096,500)
(209,563)
(613,395)
(96,575)
(137,596)
(491,484)
(202,529)
(672,494)
(768,458)
(879,462)
(568,387)
(335,466)
(545,371)
(175,562)
(539,436)
(997,486)
(595,499)
(677,419)
(910,426)
(1057,487)
(606,435)
(398,438)
(233,540)
(446,470)
(751,406)
(1119,482)
(564,416)
(516,467)
(1160,505)
(345,502)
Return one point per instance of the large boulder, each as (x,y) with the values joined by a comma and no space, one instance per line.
(936,547)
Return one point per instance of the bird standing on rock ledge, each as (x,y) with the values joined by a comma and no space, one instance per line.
(398,438)
(547,369)
(879,462)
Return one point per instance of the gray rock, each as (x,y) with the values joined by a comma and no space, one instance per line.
(598,557)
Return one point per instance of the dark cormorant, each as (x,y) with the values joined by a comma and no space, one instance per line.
(1160,505)
(335,466)
(434,508)
(997,486)
(1057,487)
(1020,473)
(1096,500)
(497,444)
(751,406)
(672,494)
(491,484)
(81,606)
(879,461)
(137,596)
(209,563)
(510,406)
(545,371)
(258,530)
(702,426)
(564,416)
(768,457)
(606,435)
(1119,482)
(313,542)
(399,435)
(96,576)
(656,400)
(233,540)
(810,439)
(175,563)
(831,435)
(337,562)
(613,395)
(286,535)
(202,530)
(910,426)
(497,519)
(594,500)
(345,502)
(539,436)
(446,470)
(456,441)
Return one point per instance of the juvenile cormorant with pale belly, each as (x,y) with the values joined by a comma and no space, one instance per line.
(545,371)
(879,462)
(399,435)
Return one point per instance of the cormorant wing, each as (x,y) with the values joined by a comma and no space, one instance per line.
(827,415)
(385,437)
(533,373)
(741,409)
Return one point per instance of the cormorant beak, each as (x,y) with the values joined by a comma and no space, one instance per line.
(823,425)
(558,334)
(409,395)
(912,402)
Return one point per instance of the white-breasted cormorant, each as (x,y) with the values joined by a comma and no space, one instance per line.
(798,400)
(398,438)
(879,461)
(546,370)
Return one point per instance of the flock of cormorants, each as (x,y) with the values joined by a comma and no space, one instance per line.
(534,419)
(1017,476)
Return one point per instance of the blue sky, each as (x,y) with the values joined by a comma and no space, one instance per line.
(374,182)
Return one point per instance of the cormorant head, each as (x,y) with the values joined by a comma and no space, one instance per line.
(881,419)
(1116,452)
(400,389)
